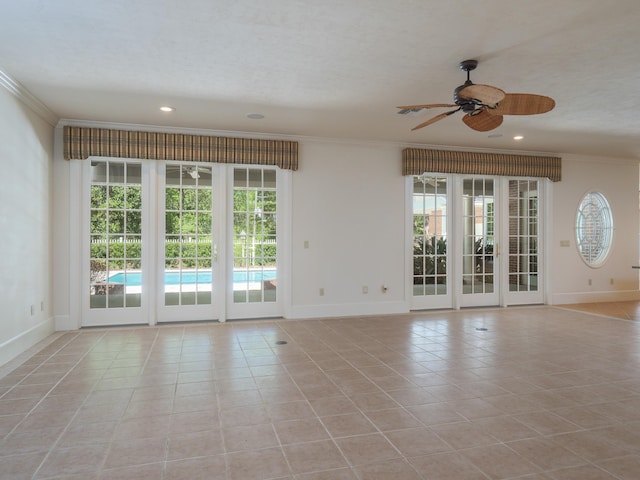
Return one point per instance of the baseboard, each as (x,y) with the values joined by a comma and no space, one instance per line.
(594,297)
(25,340)
(347,310)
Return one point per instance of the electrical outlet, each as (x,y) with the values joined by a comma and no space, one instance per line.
(42,305)
(321,292)
(611,281)
(365,289)
(589,281)
(33,309)
(306,244)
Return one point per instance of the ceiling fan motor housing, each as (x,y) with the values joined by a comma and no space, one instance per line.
(467,105)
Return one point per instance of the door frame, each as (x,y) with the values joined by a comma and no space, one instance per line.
(538,296)
(503,297)
(277,309)
(184,313)
(90,317)
(461,299)
(430,301)
(152,189)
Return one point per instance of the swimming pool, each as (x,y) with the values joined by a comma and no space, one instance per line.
(191,277)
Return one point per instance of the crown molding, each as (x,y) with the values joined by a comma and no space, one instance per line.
(27,98)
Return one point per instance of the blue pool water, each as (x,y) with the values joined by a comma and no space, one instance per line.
(171,277)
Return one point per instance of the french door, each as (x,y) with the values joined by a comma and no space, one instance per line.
(480,278)
(432,261)
(178,241)
(523,230)
(115,242)
(252,226)
(476,241)
(187,270)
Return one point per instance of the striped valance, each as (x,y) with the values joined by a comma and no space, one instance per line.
(81,143)
(416,161)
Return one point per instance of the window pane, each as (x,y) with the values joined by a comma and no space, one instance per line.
(188,245)
(204,199)
(255,229)
(594,229)
(115,259)
(134,197)
(430,229)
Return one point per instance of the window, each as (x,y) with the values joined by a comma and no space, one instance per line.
(594,229)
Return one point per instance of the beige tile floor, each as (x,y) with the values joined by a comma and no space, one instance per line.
(543,393)
(629,310)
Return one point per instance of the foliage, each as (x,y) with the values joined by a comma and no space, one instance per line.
(429,253)
(116,209)
(116,226)
(429,258)
(254,227)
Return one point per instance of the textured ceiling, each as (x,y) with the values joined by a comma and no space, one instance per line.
(335,68)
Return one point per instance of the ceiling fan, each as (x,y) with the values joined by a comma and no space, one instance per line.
(484,105)
(188,170)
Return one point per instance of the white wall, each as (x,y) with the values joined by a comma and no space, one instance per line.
(348,204)
(617,179)
(26,155)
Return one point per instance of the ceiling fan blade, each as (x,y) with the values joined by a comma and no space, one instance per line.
(485,94)
(416,108)
(523,104)
(435,119)
(482,122)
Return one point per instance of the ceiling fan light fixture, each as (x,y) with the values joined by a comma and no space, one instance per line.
(193,172)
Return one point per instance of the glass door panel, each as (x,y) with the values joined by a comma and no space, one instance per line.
(115,251)
(254,235)
(479,269)
(187,279)
(523,242)
(254,240)
(430,271)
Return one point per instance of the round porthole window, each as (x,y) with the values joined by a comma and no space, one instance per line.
(594,229)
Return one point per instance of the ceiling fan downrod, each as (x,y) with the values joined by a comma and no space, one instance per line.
(467,105)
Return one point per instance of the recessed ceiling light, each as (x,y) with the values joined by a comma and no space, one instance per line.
(255,116)
(518,137)
(167,108)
